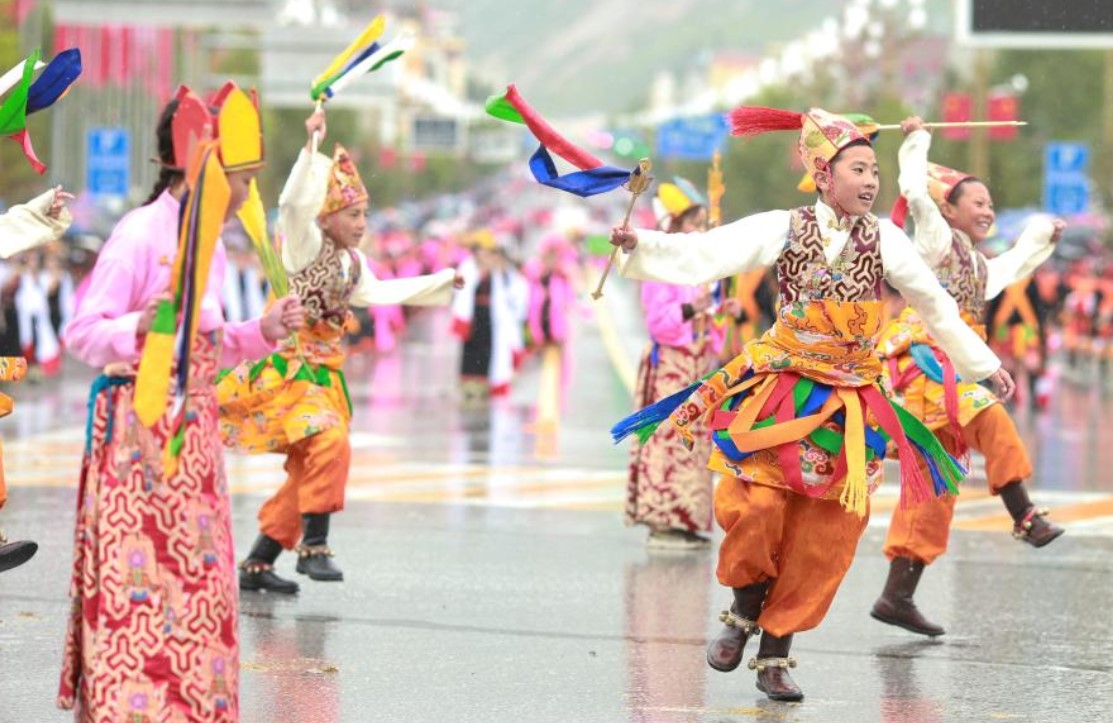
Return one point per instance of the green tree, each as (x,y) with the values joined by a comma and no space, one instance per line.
(1063,102)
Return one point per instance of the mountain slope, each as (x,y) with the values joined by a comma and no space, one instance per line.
(571,55)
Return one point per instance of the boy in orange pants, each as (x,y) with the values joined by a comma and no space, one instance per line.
(953,212)
(295,402)
(798,419)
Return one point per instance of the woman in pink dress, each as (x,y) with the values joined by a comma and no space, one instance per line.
(153,631)
(669,490)
(551,294)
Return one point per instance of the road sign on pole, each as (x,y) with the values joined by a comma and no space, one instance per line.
(108,161)
(694,139)
(1066,180)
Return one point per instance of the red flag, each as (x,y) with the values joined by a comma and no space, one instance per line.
(1004,107)
(63,38)
(956,109)
(165,67)
(21,8)
(122,68)
(87,39)
(104,52)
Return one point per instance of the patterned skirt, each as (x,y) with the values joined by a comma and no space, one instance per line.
(152,634)
(670,486)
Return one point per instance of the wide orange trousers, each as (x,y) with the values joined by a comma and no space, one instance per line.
(803,545)
(316,475)
(921,532)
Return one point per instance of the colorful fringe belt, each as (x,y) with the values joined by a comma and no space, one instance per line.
(777,410)
(927,361)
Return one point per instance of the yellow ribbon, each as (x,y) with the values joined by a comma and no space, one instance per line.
(751,440)
(855,491)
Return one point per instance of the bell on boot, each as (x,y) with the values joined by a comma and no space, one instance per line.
(257,571)
(1035,529)
(314,555)
(14,554)
(1030,523)
(772,664)
(724,653)
(896,606)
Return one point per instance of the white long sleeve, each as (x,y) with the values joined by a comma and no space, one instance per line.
(932,235)
(26,226)
(917,283)
(1031,249)
(751,243)
(757,241)
(429,290)
(298,207)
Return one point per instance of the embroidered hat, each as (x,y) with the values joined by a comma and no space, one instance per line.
(822,133)
(865,124)
(941,182)
(345,187)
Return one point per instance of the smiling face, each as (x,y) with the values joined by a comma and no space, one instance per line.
(970,210)
(850,183)
(346,226)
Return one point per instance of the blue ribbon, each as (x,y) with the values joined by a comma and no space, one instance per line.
(582,183)
(100,384)
(54,81)
(924,357)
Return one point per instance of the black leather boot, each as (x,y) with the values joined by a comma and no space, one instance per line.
(257,571)
(314,555)
(772,664)
(896,606)
(1030,523)
(14,554)
(725,651)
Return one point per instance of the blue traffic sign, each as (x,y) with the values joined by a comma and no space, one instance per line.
(1068,199)
(1066,180)
(694,139)
(1067,157)
(108,161)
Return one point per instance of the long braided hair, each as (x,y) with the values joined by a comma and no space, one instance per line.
(164,133)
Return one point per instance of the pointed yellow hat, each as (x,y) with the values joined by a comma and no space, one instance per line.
(239,128)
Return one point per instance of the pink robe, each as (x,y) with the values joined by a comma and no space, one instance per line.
(390,321)
(669,488)
(561,300)
(135,266)
(152,633)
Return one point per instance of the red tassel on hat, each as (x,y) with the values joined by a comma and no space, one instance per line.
(752,120)
(899,214)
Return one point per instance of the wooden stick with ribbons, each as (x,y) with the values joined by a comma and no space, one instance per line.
(639,183)
(869,128)
(317,108)
(715,192)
